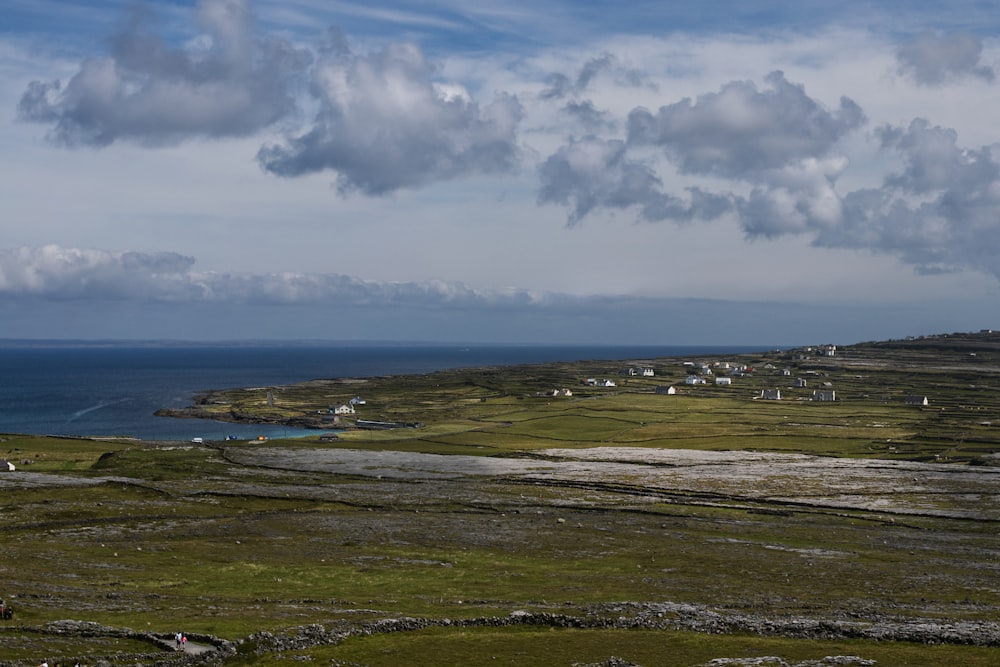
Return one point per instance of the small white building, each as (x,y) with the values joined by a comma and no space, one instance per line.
(723,380)
(7,466)
(667,391)
(770,394)
(824,396)
(694,379)
(917,400)
(344,409)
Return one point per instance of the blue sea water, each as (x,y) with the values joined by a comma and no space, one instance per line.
(114,389)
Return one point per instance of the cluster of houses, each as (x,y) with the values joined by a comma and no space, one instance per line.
(724,374)
(557,393)
(348,408)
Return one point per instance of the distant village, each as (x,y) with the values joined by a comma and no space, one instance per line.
(768,380)
(812,373)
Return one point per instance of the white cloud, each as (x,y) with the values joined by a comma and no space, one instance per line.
(488,148)
(741,131)
(232,83)
(55,272)
(386,123)
(593,173)
(934,60)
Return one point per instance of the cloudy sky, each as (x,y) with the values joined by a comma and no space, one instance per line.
(728,172)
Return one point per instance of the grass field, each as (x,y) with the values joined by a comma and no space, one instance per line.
(667,529)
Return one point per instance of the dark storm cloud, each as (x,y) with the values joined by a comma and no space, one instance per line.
(933,60)
(232,83)
(741,130)
(386,123)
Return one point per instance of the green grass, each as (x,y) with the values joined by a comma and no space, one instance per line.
(160,537)
(458,647)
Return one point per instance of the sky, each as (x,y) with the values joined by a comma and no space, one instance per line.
(745,172)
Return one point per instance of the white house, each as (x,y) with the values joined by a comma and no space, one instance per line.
(723,380)
(344,409)
(606,383)
(800,383)
(917,400)
(694,379)
(824,396)
(357,400)
(7,466)
(669,391)
(771,394)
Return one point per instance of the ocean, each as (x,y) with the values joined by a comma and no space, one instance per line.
(113,389)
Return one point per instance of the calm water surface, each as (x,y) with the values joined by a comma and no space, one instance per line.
(114,389)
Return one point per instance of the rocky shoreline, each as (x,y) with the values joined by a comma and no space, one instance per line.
(192,412)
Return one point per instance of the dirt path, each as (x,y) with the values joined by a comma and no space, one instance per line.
(197,649)
(194,648)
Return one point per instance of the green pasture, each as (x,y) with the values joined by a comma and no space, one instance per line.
(51,454)
(161,537)
(458,647)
